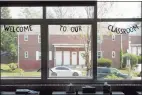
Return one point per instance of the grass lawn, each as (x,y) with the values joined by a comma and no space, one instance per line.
(25,74)
(133,73)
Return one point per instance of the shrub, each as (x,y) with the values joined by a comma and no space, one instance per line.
(18,70)
(139,59)
(13,66)
(103,62)
(112,76)
(133,59)
(135,74)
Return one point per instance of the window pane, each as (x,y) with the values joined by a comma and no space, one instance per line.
(69,12)
(21,12)
(119,10)
(71,49)
(122,50)
(18,57)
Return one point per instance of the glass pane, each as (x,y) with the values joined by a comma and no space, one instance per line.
(119,10)
(21,12)
(19,57)
(126,65)
(71,51)
(69,12)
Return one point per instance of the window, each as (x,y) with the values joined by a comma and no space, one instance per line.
(74,35)
(50,55)
(113,54)
(21,12)
(26,54)
(70,49)
(139,51)
(38,55)
(72,12)
(134,50)
(22,53)
(62,68)
(25,37)
(113,37)
(99,54)
(119,10)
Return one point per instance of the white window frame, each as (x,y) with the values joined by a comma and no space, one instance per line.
(26,54)
(113,37)
(38,54)
(100,54)
(113,53)
(25,37)
(39,38)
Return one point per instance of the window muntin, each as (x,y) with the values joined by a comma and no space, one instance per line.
(119,9)
(20,53)
(121,43)
(21,12)
(69,45)
(26,54)
(73,12)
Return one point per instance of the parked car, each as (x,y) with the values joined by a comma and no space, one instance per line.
(102,72)
(64,71)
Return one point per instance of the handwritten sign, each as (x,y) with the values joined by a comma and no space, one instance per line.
(72,29)
(17,28)
(122,30)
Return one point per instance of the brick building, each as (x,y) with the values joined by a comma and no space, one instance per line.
(67,49)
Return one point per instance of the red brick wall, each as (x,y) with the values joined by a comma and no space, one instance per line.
(108,46)
(32,46)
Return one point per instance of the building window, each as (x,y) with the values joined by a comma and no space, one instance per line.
(139,51)
(38,55)
(99,54)
(25,37)
(39,39)
(113,37)
(113,54)
(134,50)
(26,54)
(50,55)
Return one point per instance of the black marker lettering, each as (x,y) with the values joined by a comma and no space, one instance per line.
(6,28)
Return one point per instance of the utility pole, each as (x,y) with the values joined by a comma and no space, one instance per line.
(121,50)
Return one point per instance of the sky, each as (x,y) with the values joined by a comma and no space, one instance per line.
(117,10)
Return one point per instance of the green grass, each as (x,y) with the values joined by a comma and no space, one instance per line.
(133,73)
(124,71)
(24,74)
(5,67)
